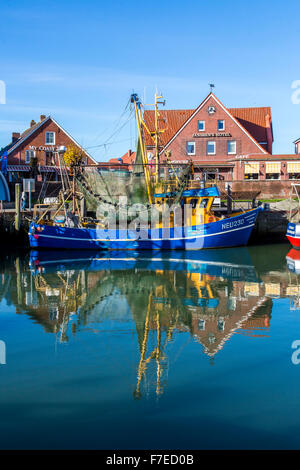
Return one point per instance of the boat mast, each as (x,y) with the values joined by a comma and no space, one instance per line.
(138,114)
(156,135)
(60,153)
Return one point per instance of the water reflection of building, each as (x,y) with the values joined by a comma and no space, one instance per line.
(210,305)
(220,307)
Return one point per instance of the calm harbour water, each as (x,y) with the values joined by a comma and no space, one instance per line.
(150,351)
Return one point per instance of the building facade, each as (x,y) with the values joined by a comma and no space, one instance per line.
(39,142)
(227,144)
(297,146)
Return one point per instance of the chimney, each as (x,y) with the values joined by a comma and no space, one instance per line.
(129,152)
(15,136)
(43,116)
(269,132)
(32,123)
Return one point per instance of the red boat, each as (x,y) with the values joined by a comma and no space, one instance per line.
(293,235)
(293,260)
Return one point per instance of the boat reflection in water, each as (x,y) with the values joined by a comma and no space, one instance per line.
(293,289)
(210,294)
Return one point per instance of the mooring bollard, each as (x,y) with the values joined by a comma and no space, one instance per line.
(17,206)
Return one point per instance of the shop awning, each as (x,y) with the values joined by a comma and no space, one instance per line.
(273,167)
(293,167)
(251,168)
(49,168)
(18,168)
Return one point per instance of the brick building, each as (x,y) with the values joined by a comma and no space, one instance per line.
(227,144)
(297,146)
(39,141)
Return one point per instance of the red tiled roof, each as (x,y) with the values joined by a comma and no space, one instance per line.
(33,127)
(128,158)
(169,119)
(254,120)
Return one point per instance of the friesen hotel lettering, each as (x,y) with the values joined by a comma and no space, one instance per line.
(214,134)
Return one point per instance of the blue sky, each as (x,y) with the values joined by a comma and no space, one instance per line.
(80,60)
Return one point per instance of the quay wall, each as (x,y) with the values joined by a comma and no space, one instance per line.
(267,189)
(9,235)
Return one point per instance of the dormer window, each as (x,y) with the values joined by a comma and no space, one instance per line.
(221,125)
(50,138)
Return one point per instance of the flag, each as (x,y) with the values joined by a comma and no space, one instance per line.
(4,163)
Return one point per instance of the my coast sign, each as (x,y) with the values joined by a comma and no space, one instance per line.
(47,148)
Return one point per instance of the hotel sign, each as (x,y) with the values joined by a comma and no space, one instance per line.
(217,134)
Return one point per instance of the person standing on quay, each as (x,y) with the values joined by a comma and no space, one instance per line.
(23,201)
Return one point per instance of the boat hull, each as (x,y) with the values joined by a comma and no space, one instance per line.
(230,232)
(293,235)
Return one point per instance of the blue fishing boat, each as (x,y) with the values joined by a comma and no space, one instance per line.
(212,232)
(227,232)
(185,216)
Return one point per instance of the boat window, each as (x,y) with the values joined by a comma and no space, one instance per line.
(193,203)
(204,203)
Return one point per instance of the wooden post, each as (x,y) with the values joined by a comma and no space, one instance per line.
(17,205)
(19,284)
(229,200)
(83,207)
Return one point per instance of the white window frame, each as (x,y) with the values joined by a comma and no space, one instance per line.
(231,153)
(191,143)
(46,134)
(221,120)
(31,154)
(211,142)
(201,130)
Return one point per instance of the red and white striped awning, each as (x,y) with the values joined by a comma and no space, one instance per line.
(18,168)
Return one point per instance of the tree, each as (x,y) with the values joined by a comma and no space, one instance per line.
(73,156)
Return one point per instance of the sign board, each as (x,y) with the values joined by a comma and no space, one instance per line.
(217,201)
(214,134)
(50,200)
(28,185)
